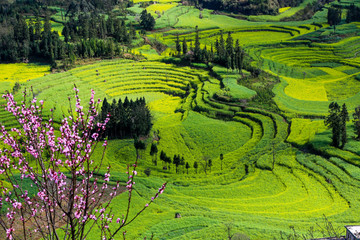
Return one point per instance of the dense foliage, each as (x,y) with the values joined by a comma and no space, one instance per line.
(248,7)
(226,53)
(128,119)
(85,34)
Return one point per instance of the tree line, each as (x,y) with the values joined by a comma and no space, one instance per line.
(128,119)
(88,35)
(337,119)
(335,12)
(225,52)
(92,26)
(247,7)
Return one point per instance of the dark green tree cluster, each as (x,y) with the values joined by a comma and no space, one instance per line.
(177,160)
(22,40)
(147,22)
(94,26)
(336,120)
(334,16)
(353,13)
(226,53)
(247,7)
(86,34)
(166,160)
(128,119)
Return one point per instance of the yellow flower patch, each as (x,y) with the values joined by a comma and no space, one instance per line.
(305,89)
(284,9)
(21,72)
(160,7)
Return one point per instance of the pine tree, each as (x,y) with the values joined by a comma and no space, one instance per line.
(153,152)
(139,145)
(197,50)
(221,52)
(38,27)
(147,21)
(333,121)
(178,46)
(187,166)
(334,16)
(229,45)
(344,117)
(356,121)
(184,47)
(238,56)
(353,13)
(163,157)
(196,166)
(176,162)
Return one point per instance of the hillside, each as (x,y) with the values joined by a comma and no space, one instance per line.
(232,88)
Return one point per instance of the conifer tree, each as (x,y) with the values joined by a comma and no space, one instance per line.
(187,166)
(333,121)
(196,166)
(221,48)
(356,121)
(197,50)
(229,45)
(184,47)
(176,162)
(344,117)
(178,46)
(153,152)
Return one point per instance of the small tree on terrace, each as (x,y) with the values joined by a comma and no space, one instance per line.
(356,121)
(153,152)
(75,201)
(205,163)
(176,162)
(163,157)
(187,166)
(196,166)
(139,145)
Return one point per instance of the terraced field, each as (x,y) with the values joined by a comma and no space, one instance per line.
(280,185)
(279,170)
(318,69)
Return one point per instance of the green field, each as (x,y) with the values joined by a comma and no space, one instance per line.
(279,170)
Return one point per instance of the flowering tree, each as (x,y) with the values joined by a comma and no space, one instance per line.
(69,201)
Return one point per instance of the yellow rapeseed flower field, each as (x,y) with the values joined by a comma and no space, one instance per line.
(284,9)
(161,7)
(305,89)
(21,72)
